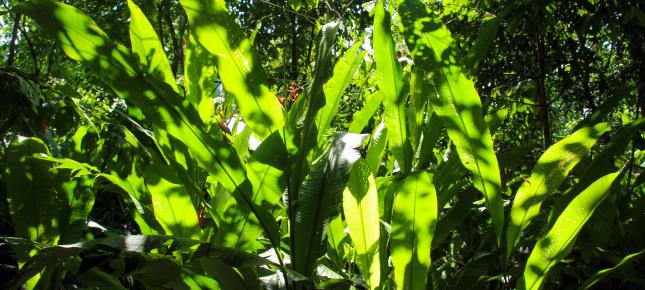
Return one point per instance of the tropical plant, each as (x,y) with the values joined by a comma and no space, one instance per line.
(224,184)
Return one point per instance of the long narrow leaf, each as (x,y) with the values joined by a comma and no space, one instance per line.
(549,172)
(360,205)
(392,86)
(458,104)
(606,272)
(344,72)
(554,245)
(320,198)
(413,224)
(147,47)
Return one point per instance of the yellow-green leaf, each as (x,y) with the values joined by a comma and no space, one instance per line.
(413,223)
(360,205)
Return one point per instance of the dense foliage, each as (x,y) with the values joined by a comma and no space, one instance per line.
(315,144)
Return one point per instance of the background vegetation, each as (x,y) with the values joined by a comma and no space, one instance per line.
(300,144)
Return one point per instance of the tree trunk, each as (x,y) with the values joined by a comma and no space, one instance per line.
(541,92)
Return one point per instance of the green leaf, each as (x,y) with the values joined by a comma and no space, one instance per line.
(484,39)
(606,272)
(549,172)
(458,105)
(237,63)
(393,87)
(166,110)
(35,201)
(413,224)
(377,147)
(320,198)
(360,205)
(334,88)
(171,202)
(554,245)
(200,78)
(147,47)
(363,116)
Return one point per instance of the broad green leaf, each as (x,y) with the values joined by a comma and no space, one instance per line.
(458,105)
(547,175)
(431,133)
(147,47)
(320,198)
(393,87)
(238,65)
(413,224)
(363,116)
(377,148)
(360,205)
(200,76)
(420,92)
(606,272)
(344,72)
(95,278)
(166,110)
(35,199)
(554,245)
(171,202)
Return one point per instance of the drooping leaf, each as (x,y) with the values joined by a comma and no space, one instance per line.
(238,65)
(413,223)
(360,205)
(547,175)
(458,105)
(320,198)
(484,40)
(555,244)
(393,88)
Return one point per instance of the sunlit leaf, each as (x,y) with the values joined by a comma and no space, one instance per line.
(392,86)
(457,103)
(547,175)
(413,224)
(360,205)
(555,244)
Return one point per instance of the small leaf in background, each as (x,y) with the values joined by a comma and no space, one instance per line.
(413,223)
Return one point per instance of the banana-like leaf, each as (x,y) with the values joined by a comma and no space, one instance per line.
(413,225)
(547,175)
(171,202)
(344,72)
(392,86)
(363,116)
(360,205)
(200,76)
(147,47)
(556,243)
(376,150)
(166,110)
(237,63)
(606,272)
(458,105)
(320,198)
(35,201)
